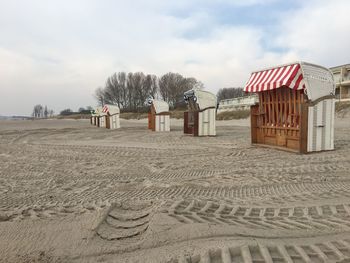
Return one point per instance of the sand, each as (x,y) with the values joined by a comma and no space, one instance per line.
(71,192)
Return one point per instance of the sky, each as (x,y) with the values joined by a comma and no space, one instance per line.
(57,52)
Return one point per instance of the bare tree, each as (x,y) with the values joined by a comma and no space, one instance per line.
(100,95)
(170,85)
(199,85)
(46,112)
(38,111)
(112,90)
(229,93)
(131,103)
(152,85)
(140,93)
(130,91)
(123,90)
(173,85)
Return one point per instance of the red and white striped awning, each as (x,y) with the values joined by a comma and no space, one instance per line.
(105,109)
(288,75)
(110,109)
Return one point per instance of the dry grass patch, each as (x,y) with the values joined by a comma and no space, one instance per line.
(342,108)
(176,114)
(74,116)
(233,115)
(133,115)
(138,115)
(342,105)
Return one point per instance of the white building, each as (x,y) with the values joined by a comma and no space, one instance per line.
(342,81)
(240,103)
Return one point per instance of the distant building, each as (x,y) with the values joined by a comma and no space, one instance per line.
(342,81)
(240,103)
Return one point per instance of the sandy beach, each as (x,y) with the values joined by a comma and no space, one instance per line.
(72,192)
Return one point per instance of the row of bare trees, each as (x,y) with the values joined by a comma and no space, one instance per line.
(230,93)
(39,111)
(81,110)
(130,90)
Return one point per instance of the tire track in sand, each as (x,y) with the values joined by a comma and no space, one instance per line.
(125,223)
(263,252)
(294,191)
(330,217)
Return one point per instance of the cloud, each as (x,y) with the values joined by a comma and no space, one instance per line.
(58,53)
(319,32)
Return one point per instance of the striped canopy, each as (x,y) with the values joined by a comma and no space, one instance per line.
(287,75)
(105,109)
(110,109)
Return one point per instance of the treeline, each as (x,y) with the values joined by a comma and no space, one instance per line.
(81,110)
(39,111)
(130,90)
(230,93)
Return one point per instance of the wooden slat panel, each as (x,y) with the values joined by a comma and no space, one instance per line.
(253,123)
(304,128)
(149,120)
(285,121)
(290,109)
(277,120)
(108,123)
(271,140)
(196,123)
(269,107)
(186,122)
(294,109)
(273,120)
(279,109)
(293,144)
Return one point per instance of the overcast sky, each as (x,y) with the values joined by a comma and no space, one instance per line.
(57,53)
